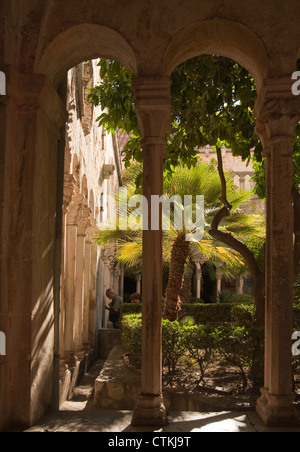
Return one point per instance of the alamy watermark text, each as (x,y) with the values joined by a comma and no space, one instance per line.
(136,213)
(2,84)
(2,343)
(296,84)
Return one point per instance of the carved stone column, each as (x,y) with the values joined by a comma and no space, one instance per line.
(240,284)
(138,283)
(70,277)
(68,193)
(153,110)
(278,113)
(87,278)
(84,222)
(31,116)
(219,276)
(198,278)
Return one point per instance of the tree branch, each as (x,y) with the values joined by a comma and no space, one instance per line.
(226,237)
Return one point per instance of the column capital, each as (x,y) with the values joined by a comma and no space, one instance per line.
(33,93)
(84,219)
(74,210)
(153,107)
(277,111)
(69,191)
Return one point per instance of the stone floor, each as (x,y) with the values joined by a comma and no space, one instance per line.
(79,415)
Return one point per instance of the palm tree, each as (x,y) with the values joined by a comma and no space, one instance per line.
(203,179)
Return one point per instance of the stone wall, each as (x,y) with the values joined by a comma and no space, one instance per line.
(91,174)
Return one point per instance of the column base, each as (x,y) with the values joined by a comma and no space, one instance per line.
(277,410)
(150,410)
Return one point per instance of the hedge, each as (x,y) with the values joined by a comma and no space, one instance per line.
(240,347)
(217,314)
(205,314)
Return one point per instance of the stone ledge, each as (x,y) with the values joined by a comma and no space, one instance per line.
(108,338)
(119,385)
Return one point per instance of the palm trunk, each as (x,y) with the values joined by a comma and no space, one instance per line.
(179,256)
(228,239)
(186,290)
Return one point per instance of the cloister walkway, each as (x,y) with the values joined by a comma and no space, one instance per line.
(79,415)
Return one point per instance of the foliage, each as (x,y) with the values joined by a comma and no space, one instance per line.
(297,290)
(241,298)
(201,342)
(224,296)
(259,165)
(131,326)
(242,315)
(173,345)
(212,102)
(240,347)
(200,180)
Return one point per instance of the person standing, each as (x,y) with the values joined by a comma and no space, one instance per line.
(114,306)
(136,298)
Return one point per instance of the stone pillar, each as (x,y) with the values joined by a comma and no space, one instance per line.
(70,277)
(219,276)
(139,283)
(278,113)
(198,278)
(153,110)
(83,223)
(69,191)
(240,285)
(31,116)
(86,285)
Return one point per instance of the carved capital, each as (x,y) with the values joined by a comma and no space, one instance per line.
(153,107)
(277,111)
(74,210)
(91,230)
(108,257)
(69,190)
(84,219)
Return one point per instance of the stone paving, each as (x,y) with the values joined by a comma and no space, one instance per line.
(79,415)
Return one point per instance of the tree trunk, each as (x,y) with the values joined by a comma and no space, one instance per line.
(227,238)
(259,295)
(179,256)
(186,290)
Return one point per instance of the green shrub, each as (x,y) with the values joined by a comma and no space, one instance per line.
(172,343)
(207,314)
(131,325)
(225,296)
(195,300)
(243,349)
(200,342)
(131,308)
(242,315)
(242,299)
(297,317)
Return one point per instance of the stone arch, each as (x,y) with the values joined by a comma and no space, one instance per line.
(82,43)
(221,37)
